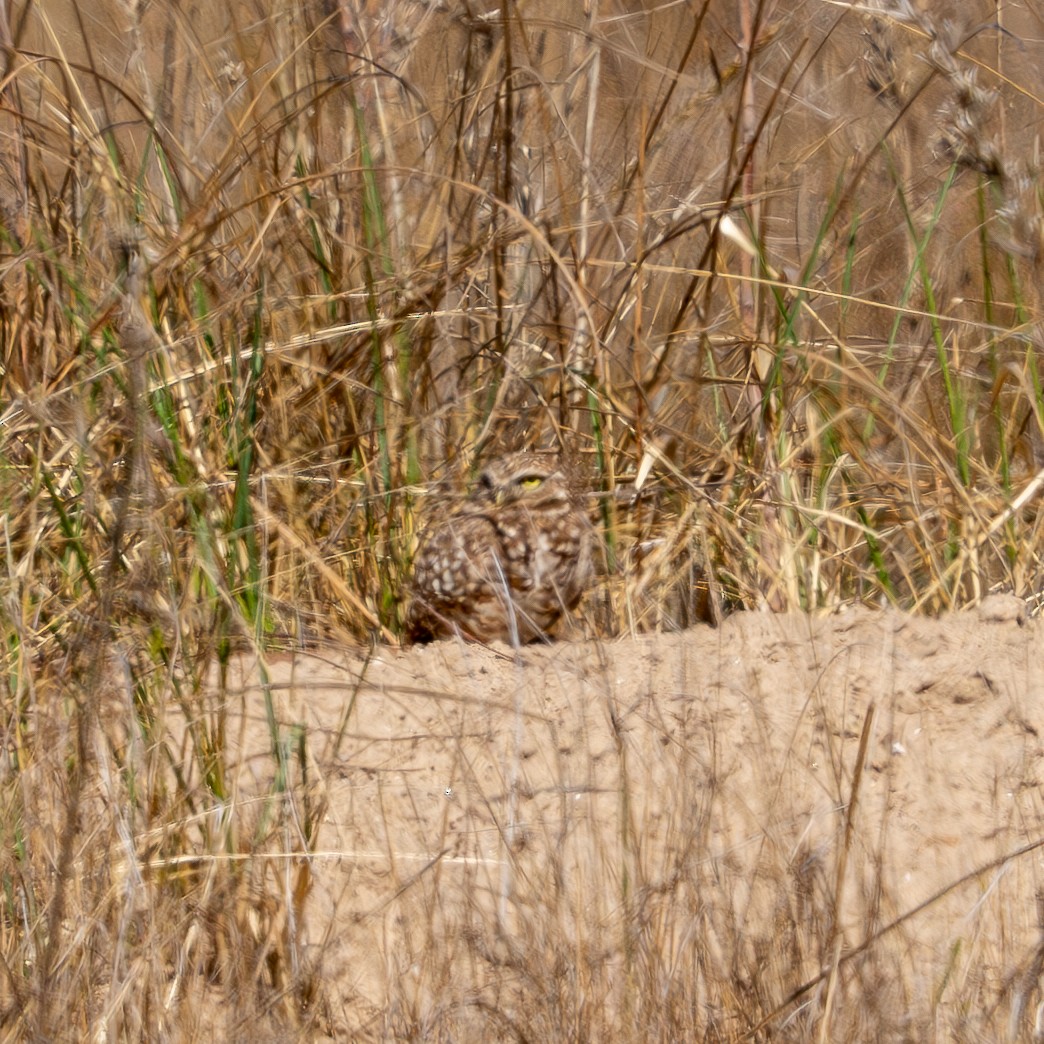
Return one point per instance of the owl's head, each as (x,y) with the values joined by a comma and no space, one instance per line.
(526,477)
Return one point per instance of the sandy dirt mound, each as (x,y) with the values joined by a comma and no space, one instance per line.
(503,829)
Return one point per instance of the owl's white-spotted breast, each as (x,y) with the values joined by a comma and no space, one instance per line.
(508,562)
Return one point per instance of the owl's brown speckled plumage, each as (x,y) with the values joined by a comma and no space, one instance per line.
(508,562)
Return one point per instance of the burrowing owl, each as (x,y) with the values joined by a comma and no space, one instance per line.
(506,563)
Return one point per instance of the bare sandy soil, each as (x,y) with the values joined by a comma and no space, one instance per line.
(487,809)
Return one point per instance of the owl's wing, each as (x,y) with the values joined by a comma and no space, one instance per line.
(455,566)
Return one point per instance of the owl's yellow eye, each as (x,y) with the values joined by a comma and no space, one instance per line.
(530,481)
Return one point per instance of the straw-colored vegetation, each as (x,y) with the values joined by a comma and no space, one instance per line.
(276,273)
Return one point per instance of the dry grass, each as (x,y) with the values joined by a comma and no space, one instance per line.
(273,272)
